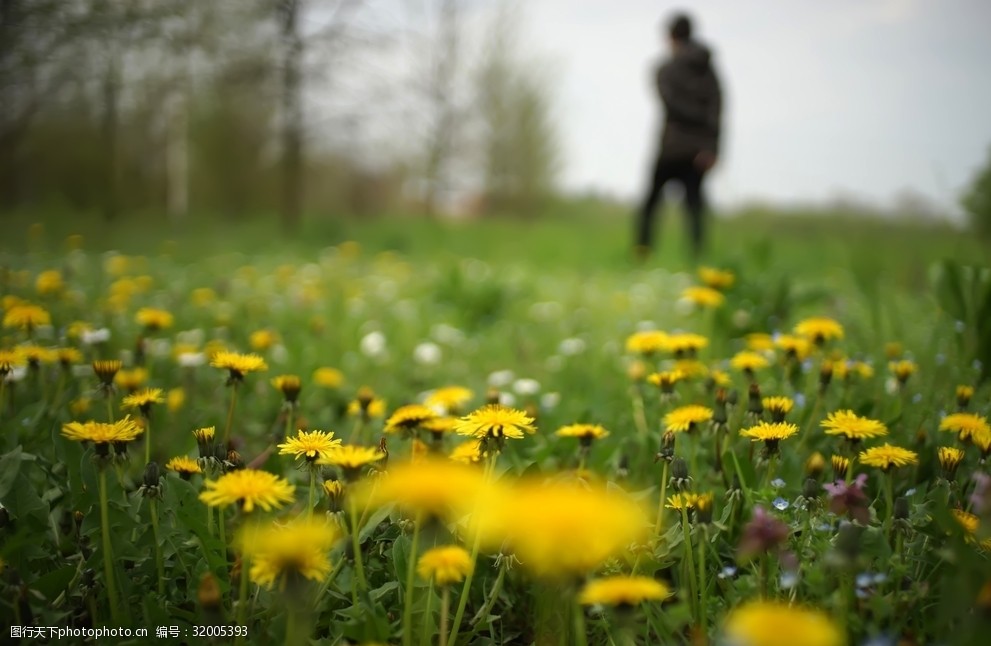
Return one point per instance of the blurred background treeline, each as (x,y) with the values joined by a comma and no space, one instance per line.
(237,107)
(175,110)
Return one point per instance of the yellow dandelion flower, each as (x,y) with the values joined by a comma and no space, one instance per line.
(686,418)
(861,369)
(903,369)
(703,296)
(840,466)
(440,425)
(248,488)
(691,368)
(238,364)
(449,399)
(289,385)
(666,379)
(123,430)
(778,407)
(10,359)
(949,458)
(205,435)
(967,520)
(152,318)
(967,426)
(49,282)
(852,426)
(445,565)
(886,456)
(646,342)
(685,343)
(25,316)
(622,591)
(334,489)
(69,356)
(175,399)
(683,500)
(964,393)
(819,329)
(143,399)
(366,404)
(36,355)
(770,432)
(794,347)
(434,487)
(261,340)
(184,466)
(815,465)
(759,342)
(720,378)
(352,459)
(559,530)
(408,418)
(749,362)
(315,445)
(129,380)
(496,421)
(280,553)
(721,279)
(469,452)
(772,623)
(584,432)
(80,406)
(330,378)
(202,296)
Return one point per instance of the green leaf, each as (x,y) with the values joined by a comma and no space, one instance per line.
(54,583)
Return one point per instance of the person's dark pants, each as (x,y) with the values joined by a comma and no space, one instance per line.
(683,171)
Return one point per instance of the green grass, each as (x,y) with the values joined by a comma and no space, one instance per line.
(552,300)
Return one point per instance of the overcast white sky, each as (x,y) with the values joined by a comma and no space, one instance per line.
(864,97)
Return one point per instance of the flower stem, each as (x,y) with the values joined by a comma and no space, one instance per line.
(209,520)
(326,584)
(153,507)
(660,505)
(108,570)
(410,580)
(242,595)
(690,562)
(313,485)
(489,603)
(147,439)
(703,603)
(445,607)
(476,545)
(230,416)
(581,638)
(356,545)
(771,463)
(110,407)
(425,629)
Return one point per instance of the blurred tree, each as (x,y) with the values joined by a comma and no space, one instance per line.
(977,200)
(519,141)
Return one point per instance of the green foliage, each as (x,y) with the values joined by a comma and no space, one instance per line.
(976,200)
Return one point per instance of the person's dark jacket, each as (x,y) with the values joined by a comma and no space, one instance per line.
(692,101)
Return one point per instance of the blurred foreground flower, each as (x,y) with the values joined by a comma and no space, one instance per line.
(283,554)
(768,623)
(623,591)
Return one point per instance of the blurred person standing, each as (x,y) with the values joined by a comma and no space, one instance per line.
(689,147)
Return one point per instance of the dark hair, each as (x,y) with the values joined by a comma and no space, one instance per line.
(680,27)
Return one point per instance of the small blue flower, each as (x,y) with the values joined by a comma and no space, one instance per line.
(910,492)
(780,503)
(727,572)
(916,398)
(977,365)
(799,400)
(777,483)
(788,580)
(824,527)
(940,359)
(865,579)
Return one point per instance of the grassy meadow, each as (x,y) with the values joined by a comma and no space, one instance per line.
(534,439)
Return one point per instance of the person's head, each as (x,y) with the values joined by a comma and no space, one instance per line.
(679,29)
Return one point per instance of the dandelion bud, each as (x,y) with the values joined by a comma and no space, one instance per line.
(949,459)
(152,474)
(964,393)
(815,465)
(208,593)
(732,397)
(848,541)
(755,406)
(825,375)
(493,396)
(901,508)
(679,474)
(703,508)
(234,460)
(840,466)
(811,489)
(719,415)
